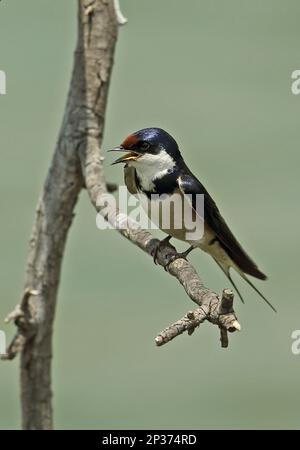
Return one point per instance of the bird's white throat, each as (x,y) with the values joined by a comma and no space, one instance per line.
(152,167)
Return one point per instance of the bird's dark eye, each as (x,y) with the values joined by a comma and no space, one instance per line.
(144,145)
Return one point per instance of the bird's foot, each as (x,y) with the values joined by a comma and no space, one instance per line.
(182,255)
(159,247)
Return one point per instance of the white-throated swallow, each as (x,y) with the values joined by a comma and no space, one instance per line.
(155,167)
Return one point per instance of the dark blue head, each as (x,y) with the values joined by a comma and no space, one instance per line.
(152,140)
(153,145)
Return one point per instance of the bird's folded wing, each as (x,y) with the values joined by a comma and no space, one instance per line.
(189,184)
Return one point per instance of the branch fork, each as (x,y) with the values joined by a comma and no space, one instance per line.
(216,310)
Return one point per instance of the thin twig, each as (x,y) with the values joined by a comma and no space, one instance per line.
(212,310)
(21,315)
(120,17)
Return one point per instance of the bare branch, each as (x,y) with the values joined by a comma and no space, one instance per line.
(24,321)
(120,18)
(217,310)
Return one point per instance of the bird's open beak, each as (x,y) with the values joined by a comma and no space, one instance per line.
(130,156)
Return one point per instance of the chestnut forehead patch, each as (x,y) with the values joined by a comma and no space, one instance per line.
(130,141)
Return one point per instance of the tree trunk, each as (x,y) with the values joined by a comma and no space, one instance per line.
(85,112)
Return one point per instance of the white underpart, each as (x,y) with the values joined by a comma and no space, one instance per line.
(173,214)
(152,167)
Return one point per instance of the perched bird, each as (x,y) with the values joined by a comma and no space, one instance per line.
(155,167)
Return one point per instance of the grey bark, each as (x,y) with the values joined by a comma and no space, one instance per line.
(77,163)
(82,126)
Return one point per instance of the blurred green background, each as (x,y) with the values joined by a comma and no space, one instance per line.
(217,75)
